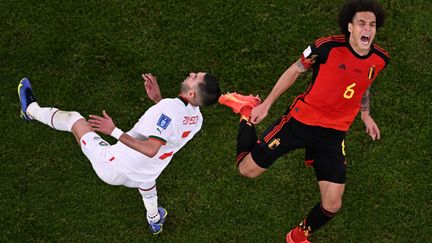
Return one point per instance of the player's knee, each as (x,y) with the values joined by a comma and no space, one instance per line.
(72,117)
(249,168)
(332,205)
(247,172)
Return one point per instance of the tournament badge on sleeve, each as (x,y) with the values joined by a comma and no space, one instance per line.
(164,121)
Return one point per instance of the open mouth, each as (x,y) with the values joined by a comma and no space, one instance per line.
(365,39)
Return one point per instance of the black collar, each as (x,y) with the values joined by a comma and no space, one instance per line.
(185,101)
(355,53)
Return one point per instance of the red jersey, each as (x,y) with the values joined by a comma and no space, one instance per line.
(339,79)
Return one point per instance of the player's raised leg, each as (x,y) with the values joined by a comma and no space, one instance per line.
(242,104)
(246,137)
(53,117)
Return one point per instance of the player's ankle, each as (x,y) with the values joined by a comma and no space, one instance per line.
(153,218)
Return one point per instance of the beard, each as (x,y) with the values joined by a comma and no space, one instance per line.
(184,88)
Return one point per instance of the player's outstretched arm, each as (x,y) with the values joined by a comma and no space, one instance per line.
(106,126)
(152,87)
(371,127)
(286,80)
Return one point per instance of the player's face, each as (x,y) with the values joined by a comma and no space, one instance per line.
(190,83)
(363,30)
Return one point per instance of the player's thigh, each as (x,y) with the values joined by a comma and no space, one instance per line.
(279,139)
(249,168)
(99,153)
(329,160)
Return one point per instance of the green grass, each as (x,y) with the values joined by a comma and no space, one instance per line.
(88,56)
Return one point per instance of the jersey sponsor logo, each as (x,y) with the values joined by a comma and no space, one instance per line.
(190,120)
(342,66)
(164,121)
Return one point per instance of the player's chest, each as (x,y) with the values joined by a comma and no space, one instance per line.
(343,67)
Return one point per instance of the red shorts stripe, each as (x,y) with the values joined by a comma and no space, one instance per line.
(277,128)
(241,156)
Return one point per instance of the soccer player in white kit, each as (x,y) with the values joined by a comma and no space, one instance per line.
(141,154)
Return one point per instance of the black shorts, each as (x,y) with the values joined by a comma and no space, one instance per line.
(323,146)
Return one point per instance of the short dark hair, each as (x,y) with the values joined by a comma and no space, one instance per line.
(208,90)
(351,7)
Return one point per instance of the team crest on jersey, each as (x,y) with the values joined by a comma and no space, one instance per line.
(164,121)
(371,72)
(274,143)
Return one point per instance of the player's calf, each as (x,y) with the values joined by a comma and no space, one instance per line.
(53,117)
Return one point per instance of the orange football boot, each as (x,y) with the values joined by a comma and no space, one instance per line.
(290,240)
(242,104)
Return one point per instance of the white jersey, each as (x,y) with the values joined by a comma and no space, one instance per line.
(172,121)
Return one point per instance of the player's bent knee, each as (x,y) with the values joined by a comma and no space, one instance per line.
(248,168)
(81,127)
(332,206)
(247,172)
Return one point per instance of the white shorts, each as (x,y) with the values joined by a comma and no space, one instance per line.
(98,151)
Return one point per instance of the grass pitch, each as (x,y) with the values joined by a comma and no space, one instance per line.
(88,56)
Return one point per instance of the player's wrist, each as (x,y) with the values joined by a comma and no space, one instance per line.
(365,115)
(116,133)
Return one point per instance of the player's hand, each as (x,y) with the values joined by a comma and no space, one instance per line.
(258,113)
(371,127)
(152,87)
(103,124)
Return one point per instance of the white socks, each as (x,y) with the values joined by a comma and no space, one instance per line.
(53,117)
(149,197)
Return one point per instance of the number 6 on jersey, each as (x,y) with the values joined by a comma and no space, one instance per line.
(349,92)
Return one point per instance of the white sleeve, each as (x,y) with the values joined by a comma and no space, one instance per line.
(156,123)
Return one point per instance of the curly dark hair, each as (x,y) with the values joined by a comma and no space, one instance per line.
(351,7)
(209,90)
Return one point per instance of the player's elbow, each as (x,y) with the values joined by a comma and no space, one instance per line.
(150,151)
(151,148)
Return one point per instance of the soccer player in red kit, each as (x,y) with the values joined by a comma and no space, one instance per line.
(343,69)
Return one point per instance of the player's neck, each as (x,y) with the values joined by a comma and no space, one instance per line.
(184,99)
(357,49)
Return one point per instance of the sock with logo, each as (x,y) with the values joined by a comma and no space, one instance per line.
(316,218)
(150,199)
